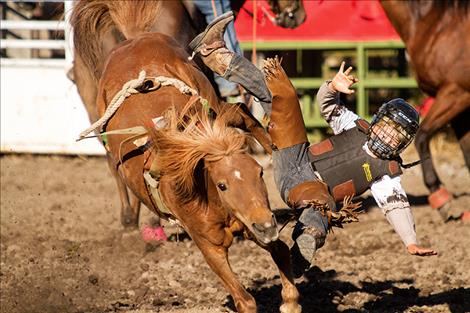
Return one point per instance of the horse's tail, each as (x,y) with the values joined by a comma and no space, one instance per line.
(92,20)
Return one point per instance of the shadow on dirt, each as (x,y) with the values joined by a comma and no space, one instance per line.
(322,292)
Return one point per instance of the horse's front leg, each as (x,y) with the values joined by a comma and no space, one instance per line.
(216,257)
(129,208)
(290,295)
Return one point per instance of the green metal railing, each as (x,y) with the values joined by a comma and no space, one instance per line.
(360,49)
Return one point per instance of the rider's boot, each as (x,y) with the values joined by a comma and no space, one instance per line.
(311,229)
(210,45)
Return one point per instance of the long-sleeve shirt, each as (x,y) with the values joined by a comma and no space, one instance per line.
(387,192)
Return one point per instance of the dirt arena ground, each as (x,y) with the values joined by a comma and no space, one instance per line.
(63,250)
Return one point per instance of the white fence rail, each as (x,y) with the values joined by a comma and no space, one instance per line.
(35,25)
(41,111)
(32,44)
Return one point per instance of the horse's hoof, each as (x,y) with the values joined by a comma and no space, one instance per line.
(129,222)
(465,217)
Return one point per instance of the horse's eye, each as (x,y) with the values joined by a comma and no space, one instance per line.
(222,186)
(261,173)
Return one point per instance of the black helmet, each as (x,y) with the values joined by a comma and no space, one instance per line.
(392,129)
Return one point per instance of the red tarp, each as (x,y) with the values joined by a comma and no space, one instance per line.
(327,20)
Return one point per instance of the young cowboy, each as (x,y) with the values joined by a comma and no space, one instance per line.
(358,157)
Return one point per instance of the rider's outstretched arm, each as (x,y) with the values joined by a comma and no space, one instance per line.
(337,115)
(391,198)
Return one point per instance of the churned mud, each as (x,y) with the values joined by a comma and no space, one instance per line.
(63,250)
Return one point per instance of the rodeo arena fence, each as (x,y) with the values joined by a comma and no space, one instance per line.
(41,111)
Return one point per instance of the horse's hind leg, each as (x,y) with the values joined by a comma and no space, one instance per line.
(129,209)
(450,101)
(216,257)
(461,127)
(290,295)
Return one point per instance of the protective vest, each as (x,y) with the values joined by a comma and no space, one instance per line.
(344,165)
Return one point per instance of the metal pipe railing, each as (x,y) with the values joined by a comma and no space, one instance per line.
(32,25)
(32,44)
(11,25)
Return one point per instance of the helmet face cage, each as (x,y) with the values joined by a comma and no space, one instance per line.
(388,139)
(392,129)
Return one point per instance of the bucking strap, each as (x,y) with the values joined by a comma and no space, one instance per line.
(153,185)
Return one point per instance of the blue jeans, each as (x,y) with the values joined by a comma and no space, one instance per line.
(226,88)
(291,168)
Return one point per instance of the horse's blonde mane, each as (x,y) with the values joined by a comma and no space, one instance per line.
(91,20)
(182,144)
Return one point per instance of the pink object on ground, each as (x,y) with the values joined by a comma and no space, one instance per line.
(150,234)
(465,217)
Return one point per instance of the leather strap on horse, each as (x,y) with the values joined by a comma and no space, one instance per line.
(152,178)
(153,187)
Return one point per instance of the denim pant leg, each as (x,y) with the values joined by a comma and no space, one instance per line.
(291,168)
(226,88)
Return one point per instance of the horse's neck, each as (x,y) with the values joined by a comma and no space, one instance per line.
(401,17)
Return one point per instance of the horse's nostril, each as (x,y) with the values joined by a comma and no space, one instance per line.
(264,227)
(273,220)
(258,227)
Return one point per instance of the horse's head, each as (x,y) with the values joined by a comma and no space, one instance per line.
(207,161)
(289,13)
(238,179)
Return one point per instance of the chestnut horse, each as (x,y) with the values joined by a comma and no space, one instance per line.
(437,39)
(99,26)
(207,180)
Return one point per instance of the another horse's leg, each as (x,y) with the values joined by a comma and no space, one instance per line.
(129,209)
(450,101)
(290,295)
(216,257)
(461,126)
